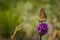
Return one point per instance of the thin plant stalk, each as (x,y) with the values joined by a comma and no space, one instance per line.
(16,29)
(40,37)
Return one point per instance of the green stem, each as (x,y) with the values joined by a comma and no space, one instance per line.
(40,37)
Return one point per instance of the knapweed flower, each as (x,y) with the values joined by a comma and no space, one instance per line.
(42,28)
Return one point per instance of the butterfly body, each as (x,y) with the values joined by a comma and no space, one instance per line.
(42,15)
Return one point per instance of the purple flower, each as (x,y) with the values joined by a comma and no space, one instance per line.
(42,28)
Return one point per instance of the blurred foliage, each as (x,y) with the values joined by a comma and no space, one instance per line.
(14,12)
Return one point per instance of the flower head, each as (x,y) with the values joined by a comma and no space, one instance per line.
(42,28)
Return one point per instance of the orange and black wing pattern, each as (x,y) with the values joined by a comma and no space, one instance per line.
(42,15)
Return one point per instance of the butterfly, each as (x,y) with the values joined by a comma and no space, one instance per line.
(42,15)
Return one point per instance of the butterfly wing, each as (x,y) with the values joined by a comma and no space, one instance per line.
(42,15)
